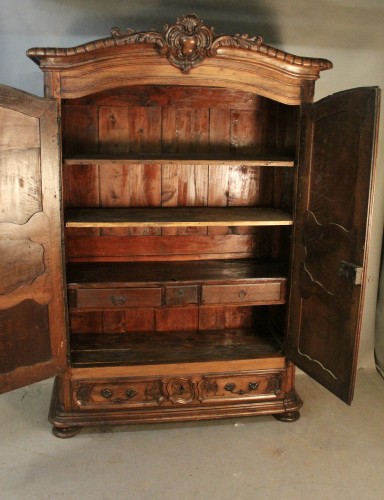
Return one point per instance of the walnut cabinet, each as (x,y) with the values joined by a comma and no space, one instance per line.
(180,225)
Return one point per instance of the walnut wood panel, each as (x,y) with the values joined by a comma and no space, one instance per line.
(330,235)
(149,319)
(217,130)
(181,247)
(32,338)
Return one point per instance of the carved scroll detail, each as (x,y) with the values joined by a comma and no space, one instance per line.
(188,42)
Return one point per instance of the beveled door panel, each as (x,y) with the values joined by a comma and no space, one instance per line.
(330,239)
(32,327)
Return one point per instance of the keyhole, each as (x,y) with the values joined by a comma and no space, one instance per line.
(181,389)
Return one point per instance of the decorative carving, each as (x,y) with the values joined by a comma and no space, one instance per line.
(181,390)
(83,393)
(130,393)
(188,42)
(154,392)
(106,393)
(274,384)
(230,387)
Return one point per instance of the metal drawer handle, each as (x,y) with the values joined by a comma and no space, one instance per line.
(242,294)
(118,300)
(252,386)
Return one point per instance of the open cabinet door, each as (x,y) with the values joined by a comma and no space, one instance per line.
(32,322)
(336,160)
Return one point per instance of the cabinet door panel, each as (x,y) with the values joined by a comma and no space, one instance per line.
(32,327)
(337,151)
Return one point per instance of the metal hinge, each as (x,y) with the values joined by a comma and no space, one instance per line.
(351,272)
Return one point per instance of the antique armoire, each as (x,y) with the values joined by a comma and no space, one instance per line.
(180,225)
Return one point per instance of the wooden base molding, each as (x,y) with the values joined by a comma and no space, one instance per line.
(178,403)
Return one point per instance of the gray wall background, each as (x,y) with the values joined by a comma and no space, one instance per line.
(348,32)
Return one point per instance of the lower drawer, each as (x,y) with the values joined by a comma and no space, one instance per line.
(193,390)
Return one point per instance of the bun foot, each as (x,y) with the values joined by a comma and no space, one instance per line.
(65,432)
(289,416)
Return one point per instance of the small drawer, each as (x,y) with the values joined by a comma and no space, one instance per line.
(241,294)
(118,297)
(180,295)
(239,387)
(125,393)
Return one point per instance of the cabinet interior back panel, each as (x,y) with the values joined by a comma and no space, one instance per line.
(169,120)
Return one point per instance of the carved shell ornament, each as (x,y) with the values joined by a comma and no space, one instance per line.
(188,42)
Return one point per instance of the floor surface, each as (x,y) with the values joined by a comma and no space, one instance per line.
(332,452)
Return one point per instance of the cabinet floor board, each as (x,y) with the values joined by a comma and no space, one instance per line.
(119,273)
(146,348)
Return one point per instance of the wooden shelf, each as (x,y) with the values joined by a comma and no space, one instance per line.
(187,159)
(148,348)
(121,274)
(176,217)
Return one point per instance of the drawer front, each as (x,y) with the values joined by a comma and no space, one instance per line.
(174,391)
(213,389)
(128,393)
(241,294)
(118,297)
(180,295)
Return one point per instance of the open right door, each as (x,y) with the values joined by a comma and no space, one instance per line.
(334,201)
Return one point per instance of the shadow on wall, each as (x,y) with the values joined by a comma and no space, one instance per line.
(226,16)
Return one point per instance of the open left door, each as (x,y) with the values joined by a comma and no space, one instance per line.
(336,160)
(32,321)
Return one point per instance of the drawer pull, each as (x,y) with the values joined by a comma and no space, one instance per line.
(118,300)
(242,294)
(106,393)
(252,386)
(130,393)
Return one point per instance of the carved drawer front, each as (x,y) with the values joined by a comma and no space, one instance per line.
(118,297)
(130,393)
(240,387)
(180,295)
(232,294)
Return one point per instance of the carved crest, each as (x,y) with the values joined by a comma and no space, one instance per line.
(188,42)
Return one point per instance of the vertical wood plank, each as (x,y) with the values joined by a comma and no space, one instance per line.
(219,130)
(169,130)
(139,320)
(145,130)
(218,317)
(113,129)
(113,321)
(80,129)
(193,130)
(173,319)
(81,186)
(182,186)
(86,322)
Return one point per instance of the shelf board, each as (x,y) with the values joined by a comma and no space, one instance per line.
(186,158)
(121,274)
(176,217)
(148,348)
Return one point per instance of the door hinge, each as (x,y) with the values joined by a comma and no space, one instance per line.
(351,272)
